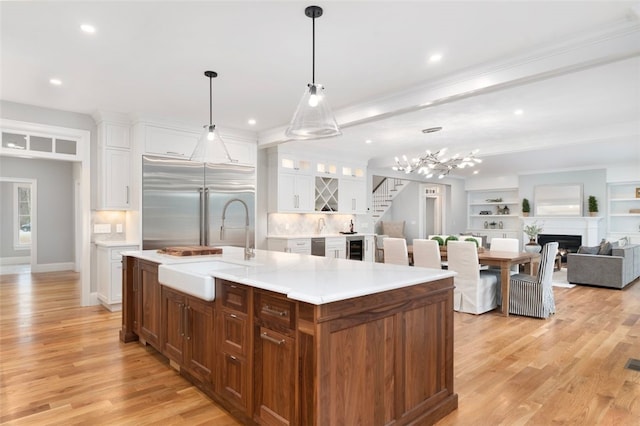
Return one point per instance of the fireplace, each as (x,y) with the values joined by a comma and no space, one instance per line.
(566,243)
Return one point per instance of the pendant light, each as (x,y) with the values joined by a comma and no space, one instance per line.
(208,148)
(313,118)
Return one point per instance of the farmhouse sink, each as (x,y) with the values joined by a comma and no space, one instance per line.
(195,278)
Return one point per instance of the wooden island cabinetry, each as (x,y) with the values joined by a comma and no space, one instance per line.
(377,359)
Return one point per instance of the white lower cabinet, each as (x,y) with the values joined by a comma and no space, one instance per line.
(369,248)
(290,245)
(335,247)
(109,275)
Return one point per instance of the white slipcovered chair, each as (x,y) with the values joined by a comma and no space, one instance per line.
(395,251)
(426,254)
(533,296)
(505,244)
(475,290)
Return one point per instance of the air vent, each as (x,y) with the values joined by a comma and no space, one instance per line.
(633,364)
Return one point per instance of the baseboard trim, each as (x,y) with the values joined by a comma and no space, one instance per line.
(53,267)
(15,260)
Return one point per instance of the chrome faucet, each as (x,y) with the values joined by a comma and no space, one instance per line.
(248,251)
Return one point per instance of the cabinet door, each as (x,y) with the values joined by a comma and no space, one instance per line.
(199,337)
(117,183)
(369,249)
(149,304)
(274,377)
(295,193)
(353,196)
(168,141)
(115,283)
(234,382)
(173,304)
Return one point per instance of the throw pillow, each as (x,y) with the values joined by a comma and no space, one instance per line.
(588,250)
(605,248)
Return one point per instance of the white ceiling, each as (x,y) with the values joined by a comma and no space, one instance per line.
(147,59)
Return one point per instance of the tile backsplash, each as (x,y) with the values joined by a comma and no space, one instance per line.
(104,225)
(305,224)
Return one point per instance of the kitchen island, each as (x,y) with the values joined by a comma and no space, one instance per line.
(300,340)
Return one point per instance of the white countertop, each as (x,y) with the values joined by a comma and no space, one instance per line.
(313,279)
(115,243)
(332,235)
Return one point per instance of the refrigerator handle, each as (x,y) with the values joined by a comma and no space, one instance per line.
(201,212)
(206,216)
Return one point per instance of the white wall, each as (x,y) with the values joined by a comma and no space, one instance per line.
(55,226)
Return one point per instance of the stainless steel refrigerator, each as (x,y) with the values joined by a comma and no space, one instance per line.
(186,203)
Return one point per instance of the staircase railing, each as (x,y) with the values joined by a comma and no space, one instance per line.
(383,195)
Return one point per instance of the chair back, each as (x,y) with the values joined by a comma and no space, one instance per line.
(462,257)
(547,259)
(426,253)
(505,244)
(395,251)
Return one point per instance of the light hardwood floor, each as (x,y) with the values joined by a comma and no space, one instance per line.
(63,364)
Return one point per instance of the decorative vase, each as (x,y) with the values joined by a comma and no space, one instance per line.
(525,214)
(593,214)
(532,247)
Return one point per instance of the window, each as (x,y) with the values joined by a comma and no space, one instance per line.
(22,203)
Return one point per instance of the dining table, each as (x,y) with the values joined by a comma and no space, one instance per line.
(503,259)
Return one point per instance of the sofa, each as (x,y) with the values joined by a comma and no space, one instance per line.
(615,270)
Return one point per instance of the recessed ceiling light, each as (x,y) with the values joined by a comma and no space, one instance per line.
(55,82)
(436,57)
(251,122)
(475,172)
(518,112)
(89,29)
(368,141)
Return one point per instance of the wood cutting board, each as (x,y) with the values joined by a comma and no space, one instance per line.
(190,250)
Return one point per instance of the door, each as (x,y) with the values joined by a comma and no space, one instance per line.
(170,202)
(199,335)
(173,304)
(231,192)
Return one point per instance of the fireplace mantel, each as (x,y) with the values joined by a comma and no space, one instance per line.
(585,226)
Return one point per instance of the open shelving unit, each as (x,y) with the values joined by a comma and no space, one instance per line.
(506,224)
(621,222)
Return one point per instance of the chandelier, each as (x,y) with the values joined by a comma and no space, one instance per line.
(432,163)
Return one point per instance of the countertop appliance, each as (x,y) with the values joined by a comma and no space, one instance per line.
(355,247)
(317,247)
(186,203)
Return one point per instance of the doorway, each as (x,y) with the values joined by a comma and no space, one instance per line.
(431,209)
(18,219)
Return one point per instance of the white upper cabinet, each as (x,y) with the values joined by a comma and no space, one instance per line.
(168,141)
(353,196)
(114,166)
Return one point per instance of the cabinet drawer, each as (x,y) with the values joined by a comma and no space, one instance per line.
(275,310)
(233,296)
(234,332)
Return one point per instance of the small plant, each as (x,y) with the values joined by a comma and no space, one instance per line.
(473,240)
(525,206)
(439,240)
(450,238)
(532,230)
(593,204)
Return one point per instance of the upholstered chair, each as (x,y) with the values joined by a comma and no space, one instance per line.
(395,251)
(505,244)
(532,296)
(475,290)
(426,254)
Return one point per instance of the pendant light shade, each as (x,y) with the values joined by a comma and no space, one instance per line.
(313,117)
(211,148)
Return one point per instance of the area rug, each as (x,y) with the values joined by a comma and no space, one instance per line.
(560,279)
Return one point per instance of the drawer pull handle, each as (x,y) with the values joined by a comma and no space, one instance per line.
(233,316)
(232,357)
(233,286)
(271,311)
(265,336)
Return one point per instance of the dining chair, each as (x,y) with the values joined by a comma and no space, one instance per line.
(426,253)
(505,244)
(395,251)
(532,296)
(475,290)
